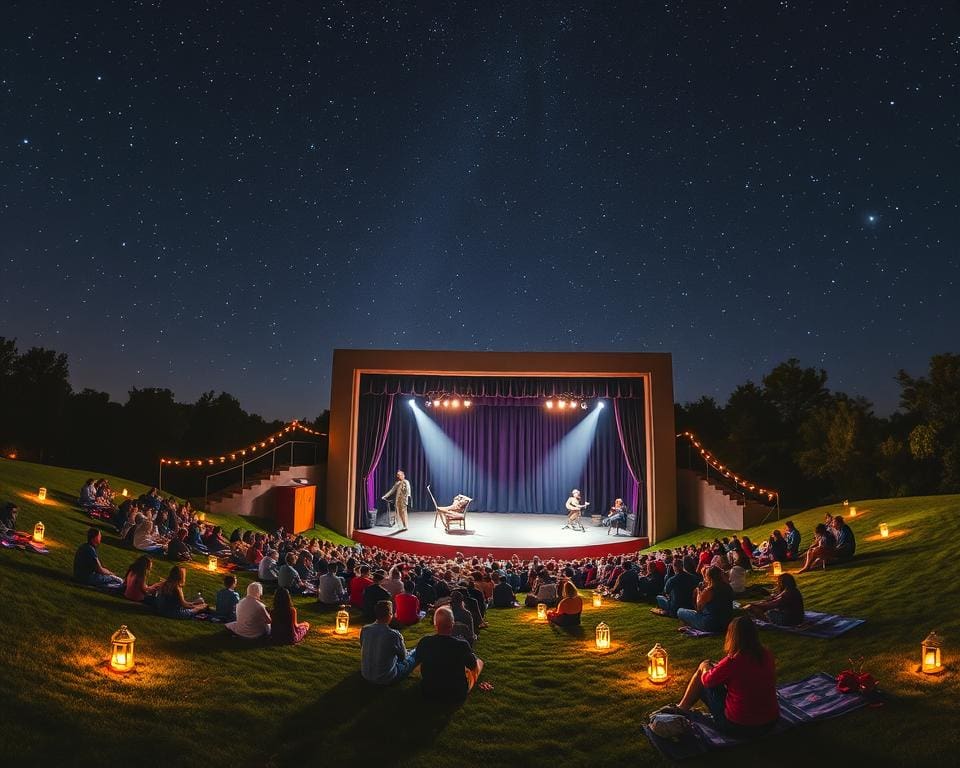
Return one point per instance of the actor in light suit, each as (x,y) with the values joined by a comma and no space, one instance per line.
(400,492)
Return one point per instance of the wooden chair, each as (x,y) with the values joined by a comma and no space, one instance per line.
(454,514)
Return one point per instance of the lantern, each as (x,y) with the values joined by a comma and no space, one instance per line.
(777,567)
(42,494)
(603,636)
(541,611)
(931,663)
(121,658)
(212,563)
(884,530)
(343,621)
(38,530)
(123,492)
(201,516)
(853,511)
(657,664)
(846,502)
(597,599)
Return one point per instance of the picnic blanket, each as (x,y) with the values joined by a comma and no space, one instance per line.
(822,625)
(24,542)
(813,698)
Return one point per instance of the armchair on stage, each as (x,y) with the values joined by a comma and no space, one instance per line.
(453,514)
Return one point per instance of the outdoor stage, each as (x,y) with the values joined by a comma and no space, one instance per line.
(524,535)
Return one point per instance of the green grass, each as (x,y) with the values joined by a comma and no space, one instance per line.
(202,698)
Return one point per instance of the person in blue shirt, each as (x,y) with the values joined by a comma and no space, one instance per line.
(792,537)
(846,543)
(227,599)
(87,568)
(678,591)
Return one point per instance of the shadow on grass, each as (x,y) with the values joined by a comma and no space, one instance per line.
(576,631)
(370,707)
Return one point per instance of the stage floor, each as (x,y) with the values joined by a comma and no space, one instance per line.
(502,536)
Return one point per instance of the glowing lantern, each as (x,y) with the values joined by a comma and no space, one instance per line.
(541,611)
(343,621)
(884,530)
(121,658)
(212,563)
(201,516)
(657,664)
(42,494)
(846,502)
(124,492)
(777,567)
(930,654)
(603,636)
(597,599)
(38,530)
(853,511)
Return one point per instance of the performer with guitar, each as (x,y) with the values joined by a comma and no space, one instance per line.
(574,510)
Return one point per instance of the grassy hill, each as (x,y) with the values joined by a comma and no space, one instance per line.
(204,698)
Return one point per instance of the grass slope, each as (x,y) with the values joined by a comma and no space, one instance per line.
(205,698)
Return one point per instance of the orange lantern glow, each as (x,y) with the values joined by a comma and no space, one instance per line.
(541,611)
(124,492)
(603,636)
(884,530)
(38,530)
(777,567)
(657,664)
(121,657)
(853,511)
(343,621)
(212,563)
(930,662)
(597,599)
(42,494)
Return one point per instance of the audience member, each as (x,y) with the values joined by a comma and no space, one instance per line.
(785,608)
(87,568)
(384,658)
(253,618)
(227,599)
(135,585)
(448,667)
(568,610)
(170,601)
(284,627)
(714,601)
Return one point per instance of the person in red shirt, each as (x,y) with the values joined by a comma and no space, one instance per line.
(358,584)
(408,605)
(740,690)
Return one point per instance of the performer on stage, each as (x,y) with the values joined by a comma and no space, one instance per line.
(617,514)
(575,509)
(401,493)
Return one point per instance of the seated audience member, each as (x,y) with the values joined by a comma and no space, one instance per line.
(846,543)
(426,589)
(777,551)
(384,658)
(267,569)
(214,541)
(792,537)
(408,605)
(678,591)
(373,594)
(135,585)
(88,494)
(144,536)
(714,601)
(568,610)
(503,594)
(785,608)
(822,550)
(170,601)
(87,568)
(627,586)
(651,584)
(305,568)
(253,618)
(8,519)
(462,617)
(740,690)
(227,599)
(284,627)
(358,585)
(393,584)
(448,667)
(288,577)
(177,548)
(330,592)
(737,578)
(545,591)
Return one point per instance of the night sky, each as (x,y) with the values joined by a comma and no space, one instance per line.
(216,195)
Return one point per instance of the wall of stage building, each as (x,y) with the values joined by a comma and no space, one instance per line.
(655,368)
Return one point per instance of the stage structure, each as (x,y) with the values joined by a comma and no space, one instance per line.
(514,431)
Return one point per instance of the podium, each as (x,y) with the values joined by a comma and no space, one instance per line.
(295,508)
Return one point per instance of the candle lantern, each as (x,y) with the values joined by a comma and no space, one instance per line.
(343,621)
(777,567)
(931,663)
(853,511)
(597,599)
(884,530)
(123,492)
(121,657)
(603,636)
(42,494)
(212,563)
(38,530)
(846,502)
(657,664)
(201,516)
(541,611)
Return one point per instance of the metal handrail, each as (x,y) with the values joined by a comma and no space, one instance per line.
(242,466)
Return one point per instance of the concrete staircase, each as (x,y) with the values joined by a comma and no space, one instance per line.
(255,498)
(702,501)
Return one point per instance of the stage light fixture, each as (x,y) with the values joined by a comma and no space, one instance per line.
(455,403)
(583,405)
(549,404)
(411,402)
(601,404)
(428,403)
(467,403)
(446,403)
(562,405)
(436,403)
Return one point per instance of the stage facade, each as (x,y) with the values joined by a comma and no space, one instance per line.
(514,431)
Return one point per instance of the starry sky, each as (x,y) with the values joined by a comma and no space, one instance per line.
(216,195)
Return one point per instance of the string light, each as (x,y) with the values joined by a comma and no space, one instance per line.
(725,471)
(292,426)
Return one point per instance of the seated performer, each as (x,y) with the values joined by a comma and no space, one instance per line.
(617,516)
(575,509)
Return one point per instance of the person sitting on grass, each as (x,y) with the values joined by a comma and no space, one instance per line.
(87,568)
(170,600)
(740,690)
(678,590)
(135,585)
(145,537)
(714,601)
(373,594)
(568,610)
(463,618)
(628,585)
(408,605)
(822,550)
(330,592)
(785,608)
(288,577)
(503,595)
(227,599)
(792,537)
(253,618)
(543,590)
(8,519)
(305,568)
(846,543)
(177,548)
(358,585)
(448,667)
(285,629)
(267,570)
(88,494)
(384,658)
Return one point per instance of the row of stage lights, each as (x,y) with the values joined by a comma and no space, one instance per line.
(567,404)
(452,402)
(447,403)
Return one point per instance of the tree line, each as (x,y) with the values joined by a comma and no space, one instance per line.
(792,433)
(43,419)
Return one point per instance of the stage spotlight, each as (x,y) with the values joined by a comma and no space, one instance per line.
(549,404)
(600,404)
(411,402)
(446,403)
(427,403)
(436,403)
(467,403)
(562,404)
(583,405)
(455,403)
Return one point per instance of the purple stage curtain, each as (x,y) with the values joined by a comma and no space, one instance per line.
(373,427)
(509,457)
(630,419)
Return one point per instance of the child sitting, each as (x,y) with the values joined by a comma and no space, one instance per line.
(227,599)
